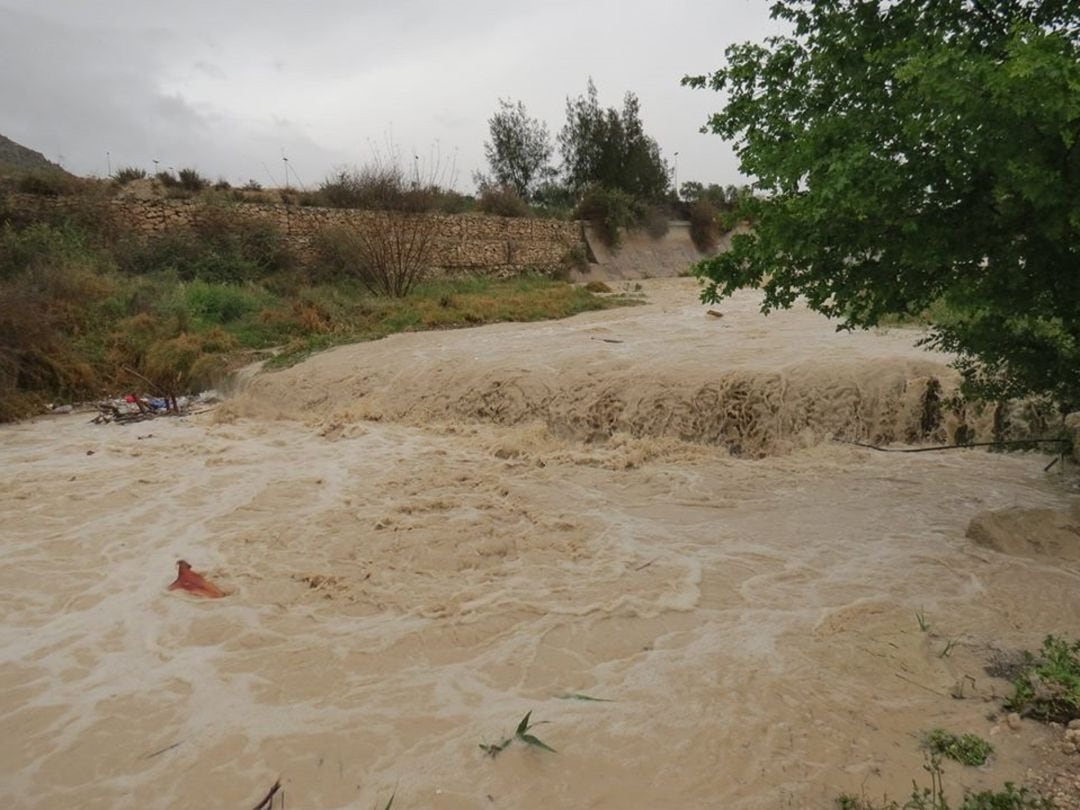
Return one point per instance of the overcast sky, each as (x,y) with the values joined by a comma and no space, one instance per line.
(228,87)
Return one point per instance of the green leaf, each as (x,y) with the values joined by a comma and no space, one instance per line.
(523,726)
(914,155)
(536,743)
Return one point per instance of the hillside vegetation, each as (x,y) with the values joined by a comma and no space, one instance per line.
(88,307)
(16,159)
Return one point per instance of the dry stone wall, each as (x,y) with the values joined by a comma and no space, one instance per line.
(460,243)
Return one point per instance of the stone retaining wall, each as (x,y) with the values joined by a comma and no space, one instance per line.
(461,242)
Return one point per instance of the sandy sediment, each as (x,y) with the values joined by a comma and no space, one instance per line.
(403,590)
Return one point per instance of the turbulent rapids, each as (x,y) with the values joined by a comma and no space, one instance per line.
(751,385)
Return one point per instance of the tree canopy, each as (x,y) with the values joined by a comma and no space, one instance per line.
(910,153)
(519,150)
(610,149)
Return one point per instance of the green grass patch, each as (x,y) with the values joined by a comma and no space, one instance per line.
(353,315)
(217,304)
(86,312)
(967,749)
(1049,687)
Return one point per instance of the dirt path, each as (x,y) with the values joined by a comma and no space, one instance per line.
(522,522)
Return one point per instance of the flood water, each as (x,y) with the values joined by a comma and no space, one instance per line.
(426,537)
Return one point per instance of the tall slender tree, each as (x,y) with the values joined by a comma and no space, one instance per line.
(519,152)
(609,148)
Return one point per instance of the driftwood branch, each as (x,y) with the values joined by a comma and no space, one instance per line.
(1009,443)
(268,799)
(134,373)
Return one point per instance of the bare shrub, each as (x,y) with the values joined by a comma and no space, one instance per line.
(389,254)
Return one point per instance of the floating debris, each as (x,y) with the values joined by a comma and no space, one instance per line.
(188,580)
(135,408)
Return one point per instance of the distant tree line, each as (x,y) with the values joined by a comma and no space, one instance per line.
(611,170)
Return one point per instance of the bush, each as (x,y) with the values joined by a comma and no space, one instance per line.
(38,247)
(1049,687)
(219,303)
(48,183)
(162,351)
(448,201)
(704,228)
(553,201)
(222,246)
(611,211)
(167,179)
(502,201)
(48,287)
(576,258)
(127,174)
(967,749)
(336,250)
(191,180)
(375,187)
(254,238)
(186,255)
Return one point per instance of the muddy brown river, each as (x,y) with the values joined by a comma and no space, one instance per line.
(426,537)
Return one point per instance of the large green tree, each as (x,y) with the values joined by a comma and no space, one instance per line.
(609,148)
(519,150)
(910,153)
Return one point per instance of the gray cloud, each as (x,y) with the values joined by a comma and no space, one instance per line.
(229,87)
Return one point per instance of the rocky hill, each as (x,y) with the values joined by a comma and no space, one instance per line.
(16,159)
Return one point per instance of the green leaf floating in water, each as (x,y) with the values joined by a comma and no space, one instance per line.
(577,696)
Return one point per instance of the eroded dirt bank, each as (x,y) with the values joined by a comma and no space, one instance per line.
(406,589)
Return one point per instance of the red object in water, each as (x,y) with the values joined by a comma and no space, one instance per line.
(188,580)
